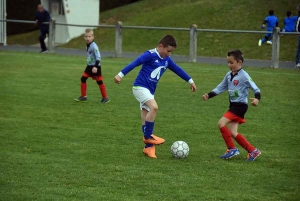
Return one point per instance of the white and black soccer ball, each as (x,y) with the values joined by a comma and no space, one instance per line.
(180,149)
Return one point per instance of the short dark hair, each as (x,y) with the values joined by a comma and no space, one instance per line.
(288,13)
(168,40)
(236,54)
(271,12)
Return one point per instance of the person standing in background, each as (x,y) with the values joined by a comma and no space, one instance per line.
(41,16)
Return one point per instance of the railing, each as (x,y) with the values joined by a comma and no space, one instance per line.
(3,24)
(193,30)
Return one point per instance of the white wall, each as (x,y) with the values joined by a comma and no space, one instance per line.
(83,12)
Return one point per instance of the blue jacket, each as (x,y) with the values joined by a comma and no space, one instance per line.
(42,17)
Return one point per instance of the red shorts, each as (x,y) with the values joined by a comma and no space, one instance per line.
(94,77)
(89,73)
(233,117)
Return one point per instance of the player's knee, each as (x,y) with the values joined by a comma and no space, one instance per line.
(154,108)
(221,123)
(83,79)
(100,82)
(234,134)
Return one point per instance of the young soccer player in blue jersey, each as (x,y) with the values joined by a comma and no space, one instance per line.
(236,82)
(289,22)
(154,63)
(271,21)
(93,68)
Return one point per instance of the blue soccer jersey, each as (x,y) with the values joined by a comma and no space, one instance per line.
(272,22)
(237,86)
(93,54)
(153,67)
(290,23)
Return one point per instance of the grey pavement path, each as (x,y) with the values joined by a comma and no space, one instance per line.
(177,58)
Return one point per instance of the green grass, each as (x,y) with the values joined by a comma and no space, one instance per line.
(53,148)
(29,38)
(218,14)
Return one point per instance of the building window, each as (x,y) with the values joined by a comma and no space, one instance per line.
(56,7)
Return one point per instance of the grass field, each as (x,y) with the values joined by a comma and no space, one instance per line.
(217,14)
(53,148)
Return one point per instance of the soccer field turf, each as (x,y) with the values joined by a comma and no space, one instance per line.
(53,148)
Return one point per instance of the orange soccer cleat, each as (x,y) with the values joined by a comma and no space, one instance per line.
(150,152)
(154,140)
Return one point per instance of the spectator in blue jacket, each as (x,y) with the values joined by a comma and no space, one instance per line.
(42,16)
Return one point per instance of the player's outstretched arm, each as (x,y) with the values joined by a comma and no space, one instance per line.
(139,61)
(181,73)
(209,95)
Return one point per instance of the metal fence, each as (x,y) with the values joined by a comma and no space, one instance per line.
(3,23)
(193,30)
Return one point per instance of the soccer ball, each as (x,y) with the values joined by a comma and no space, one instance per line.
(180,149)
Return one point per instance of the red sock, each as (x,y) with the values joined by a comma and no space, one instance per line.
(83,89)
(227,137)
(244,143)
(103,90)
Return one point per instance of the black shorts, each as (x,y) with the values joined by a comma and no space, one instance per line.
(88,70)
(238,109)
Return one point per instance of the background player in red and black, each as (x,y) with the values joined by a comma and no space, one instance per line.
(237,82)
(93,68)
